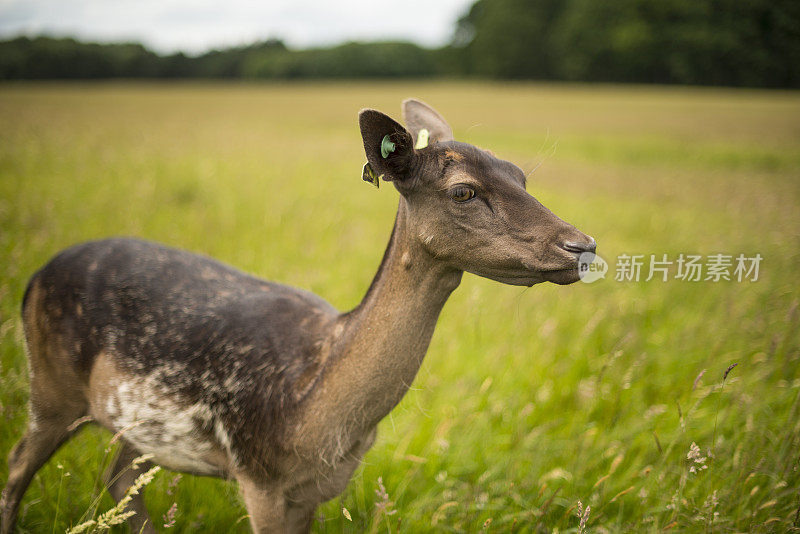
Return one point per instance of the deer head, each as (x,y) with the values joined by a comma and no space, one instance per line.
(466,207)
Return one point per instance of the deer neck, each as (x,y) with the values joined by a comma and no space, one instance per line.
(380,344)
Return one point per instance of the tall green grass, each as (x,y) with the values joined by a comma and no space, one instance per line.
(530,400)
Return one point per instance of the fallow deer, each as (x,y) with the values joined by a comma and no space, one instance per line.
(215,372)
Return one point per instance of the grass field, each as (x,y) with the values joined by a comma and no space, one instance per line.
(530,400)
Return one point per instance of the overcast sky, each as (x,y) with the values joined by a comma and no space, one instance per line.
(198,25)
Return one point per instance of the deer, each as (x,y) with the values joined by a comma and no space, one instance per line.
(211,371)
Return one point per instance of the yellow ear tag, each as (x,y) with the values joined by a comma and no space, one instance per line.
(422,139)
(368,175)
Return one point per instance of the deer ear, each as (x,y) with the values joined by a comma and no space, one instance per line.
(389,146)
(419,116)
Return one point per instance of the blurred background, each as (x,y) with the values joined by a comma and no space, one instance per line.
(660,127)
(723,42)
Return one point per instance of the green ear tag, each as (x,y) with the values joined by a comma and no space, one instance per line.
(368,175)
(386,146)
(422,140)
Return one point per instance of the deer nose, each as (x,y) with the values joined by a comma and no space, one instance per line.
(579,247)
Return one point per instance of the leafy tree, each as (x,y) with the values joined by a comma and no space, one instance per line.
(509,38)
(720,42)
(713,42)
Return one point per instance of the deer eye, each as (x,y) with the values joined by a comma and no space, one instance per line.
(462,193)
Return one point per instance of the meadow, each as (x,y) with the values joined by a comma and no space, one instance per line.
(593,407)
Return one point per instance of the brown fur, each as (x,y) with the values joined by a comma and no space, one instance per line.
(453,155)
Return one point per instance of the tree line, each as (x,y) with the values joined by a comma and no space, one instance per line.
(752,43)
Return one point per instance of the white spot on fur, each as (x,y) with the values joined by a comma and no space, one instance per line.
(221,435)
(406,260)
(33,419)
(112,406)
(158,424)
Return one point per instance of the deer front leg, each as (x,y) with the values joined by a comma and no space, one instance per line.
(120,476)
(265,505)
(299,517)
